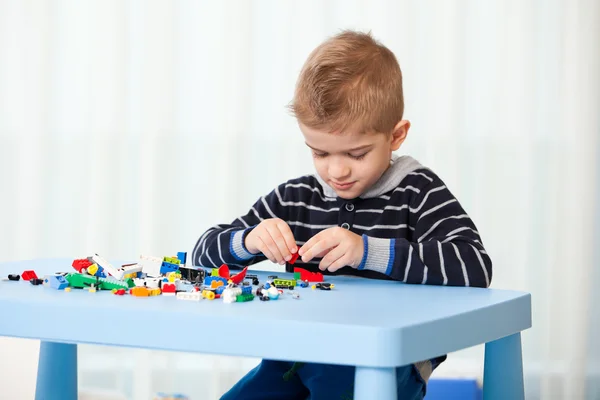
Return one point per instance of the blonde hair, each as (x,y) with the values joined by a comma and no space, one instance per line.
(350,81)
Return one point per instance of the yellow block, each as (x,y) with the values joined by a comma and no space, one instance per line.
(92,269)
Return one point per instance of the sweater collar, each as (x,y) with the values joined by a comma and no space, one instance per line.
(400,167)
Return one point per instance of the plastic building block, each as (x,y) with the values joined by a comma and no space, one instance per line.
(294,258)
(272,292)
(28,275)
(56,281)
(253,278)
(169,289)
(167,267)
(182,256)
(207,294)
(264,298)
(139,291)
(154,292)
(303,284)
(230,294)
(119,292)
(246,289)
(193,296)
(150,265)
(223,272)
(81,265)
(210,279)
(80,281)
(147,282)
(306,275)
(220,289)
(240,298)
(192,274)
(216,284)
(108,267)
(172,260)
(14,277)
(323,286)
(184,286)
(284,283)
(67,289)
(85,281)
(130,269)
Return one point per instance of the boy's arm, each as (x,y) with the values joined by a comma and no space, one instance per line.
(446,248)
(225,243)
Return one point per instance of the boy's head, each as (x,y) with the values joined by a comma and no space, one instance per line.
(349,105)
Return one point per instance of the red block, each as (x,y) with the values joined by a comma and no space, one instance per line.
(81,263)
(28,275)
(294,258)
(306,275)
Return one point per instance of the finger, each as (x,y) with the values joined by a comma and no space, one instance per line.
(270,243)
(288,236)
(283,250)
(265,250)
(341,262)
(319,249)
(335,254)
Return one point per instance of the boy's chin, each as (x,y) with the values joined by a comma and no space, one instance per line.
(348,195)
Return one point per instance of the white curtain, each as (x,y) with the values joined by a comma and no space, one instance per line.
(131,127)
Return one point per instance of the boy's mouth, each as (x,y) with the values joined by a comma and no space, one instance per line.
(343,186)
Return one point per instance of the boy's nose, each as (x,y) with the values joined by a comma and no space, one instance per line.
(338,171)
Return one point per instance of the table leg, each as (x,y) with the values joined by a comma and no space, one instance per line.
(57,372)
(503,369)
(375,383)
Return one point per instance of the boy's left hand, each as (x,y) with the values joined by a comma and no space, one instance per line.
(338,246)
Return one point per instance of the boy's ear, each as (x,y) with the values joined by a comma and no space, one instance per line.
(399,133)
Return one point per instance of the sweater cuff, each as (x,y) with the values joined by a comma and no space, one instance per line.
(236,245)
(378,254)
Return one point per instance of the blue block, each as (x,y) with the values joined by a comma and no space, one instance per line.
(219,289)
(182,256)
(453,389)
(209,279)
(246,289)
(168,267)
(58,282)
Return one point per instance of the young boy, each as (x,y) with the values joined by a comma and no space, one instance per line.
(366,211)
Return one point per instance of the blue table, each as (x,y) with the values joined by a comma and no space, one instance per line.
(374,325)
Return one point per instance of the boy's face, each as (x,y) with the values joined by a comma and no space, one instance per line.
(352,162)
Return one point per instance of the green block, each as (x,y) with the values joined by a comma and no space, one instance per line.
(80,281)
(244,297)
(296,275)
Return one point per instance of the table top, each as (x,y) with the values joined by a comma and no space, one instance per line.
(360,322)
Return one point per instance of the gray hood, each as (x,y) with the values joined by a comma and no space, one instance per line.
(400,166)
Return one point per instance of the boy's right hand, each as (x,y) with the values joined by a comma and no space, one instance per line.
(274,238)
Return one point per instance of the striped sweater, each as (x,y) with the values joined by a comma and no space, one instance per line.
(414,230)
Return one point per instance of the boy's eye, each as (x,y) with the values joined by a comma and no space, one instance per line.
(319,155)
(359,156)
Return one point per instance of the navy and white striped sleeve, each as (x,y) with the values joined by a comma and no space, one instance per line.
(445,249)
(224,243)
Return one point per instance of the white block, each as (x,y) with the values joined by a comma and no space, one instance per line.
(150,265)
(116,273)
(194,296)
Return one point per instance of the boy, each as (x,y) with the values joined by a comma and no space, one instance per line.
(365,212)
